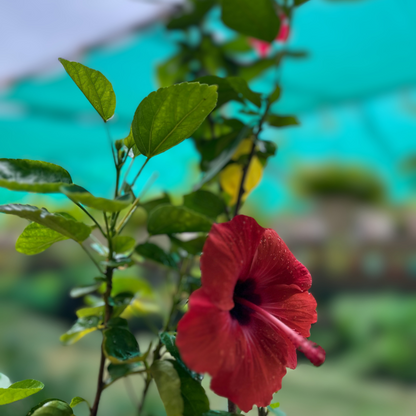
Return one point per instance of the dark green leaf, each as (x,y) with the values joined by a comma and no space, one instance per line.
(238,44)
(116,371)
(205,203)
(300,2)
(82,327)
(82,196)
(57,222)
(120,345)
(170,115)
(149,206)
(240,85)
(193,394)
(123,244)
(153,252)
(193,246)
(77,400)
(257,19)
(37,238)
(94,85)
(169,341)
(275,95)
(32,176)
(218,163)
(168,219)
(226,91)
(255,69)
(266,148)
(20,390)
(51,407)
(282,121)
(169,386)
(194,17)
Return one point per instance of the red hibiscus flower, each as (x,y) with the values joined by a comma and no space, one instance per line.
(250,315)
(262,47)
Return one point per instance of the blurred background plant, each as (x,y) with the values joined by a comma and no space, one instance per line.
(340,191)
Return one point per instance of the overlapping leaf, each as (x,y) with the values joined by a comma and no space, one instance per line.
(20,390)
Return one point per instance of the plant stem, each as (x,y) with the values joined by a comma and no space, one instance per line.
(139,172)
(145,390)
(250,157)
(232,408)
(95,221)
(111,143)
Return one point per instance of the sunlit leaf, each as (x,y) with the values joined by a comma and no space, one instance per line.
(123,244)
(169,386)
(82,327)
(94,85)
(80,291)
(82,196)
(32,176)
(133,285)
(170,115)
(20,390)
(205,203)
(37,238)
(94,311)
(231,176)
(257,19)
(168,219)
(155,253)
(77,400)
(119,344)
(57,222)
(51,407)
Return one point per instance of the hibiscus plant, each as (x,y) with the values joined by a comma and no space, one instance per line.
(249,307)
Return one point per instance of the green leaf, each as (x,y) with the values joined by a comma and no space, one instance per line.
(51,407)
(120,345)
(193,394)
(149,206)
(275,95)
(4,381)
(37,238)
(131,144)
(169,386)
(282,121)
(82,327)
(77,400)
(257,19)
(80,291)
(274,405)
(94,85)
(170,115)
(169,341)
(32,176)
(116,371)
(238,44)
(200,8)
(133,285)
(205,203)
(89,312)
(193,246)
(218,413)
(218,163)
(168,219)
(226,91)
(20,390)
(240,85)
(57,222)
(255,69)
(123,244)
(82,196)
(153,252)
(299,2)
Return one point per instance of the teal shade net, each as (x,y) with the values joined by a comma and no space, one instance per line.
(354,94)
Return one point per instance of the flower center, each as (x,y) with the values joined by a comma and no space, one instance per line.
(244,290)
(314,353)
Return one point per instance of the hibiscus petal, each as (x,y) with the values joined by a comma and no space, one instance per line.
(207,336)
(261,369)
(274,263)
(227,257)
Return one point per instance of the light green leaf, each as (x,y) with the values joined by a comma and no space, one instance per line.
(93,311)
(205,203)
(153,252)
(123,244)
(274,405)
(51,407)
(119,344)
(282,121)
(169,386)
(19,391)
(4,381)
(77,400)
(80,291)
(193,394)
(257,19)
(82,196)
(37,238)
(170,115)
(82,327)
(94,85)
(131,144)
(168,219)
(57,222)
(133,285)
(32,176)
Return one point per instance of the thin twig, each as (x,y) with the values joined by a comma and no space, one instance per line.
(92,258)
(95,221)
(110,140)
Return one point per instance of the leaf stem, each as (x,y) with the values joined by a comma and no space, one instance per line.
(92,258)
(93,219)
(110,141)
